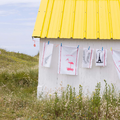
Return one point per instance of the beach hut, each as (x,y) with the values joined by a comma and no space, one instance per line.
(94,23)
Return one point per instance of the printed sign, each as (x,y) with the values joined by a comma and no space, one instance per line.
(68,60)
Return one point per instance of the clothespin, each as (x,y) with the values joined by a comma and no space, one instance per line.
(61,44)
(48,42)
(89,48)
(78,46)
(34,42)
(102,48)
(111,48)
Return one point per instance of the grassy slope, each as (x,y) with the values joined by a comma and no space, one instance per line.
(18,83)
(11,61)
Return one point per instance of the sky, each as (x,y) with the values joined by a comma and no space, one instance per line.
(17,20)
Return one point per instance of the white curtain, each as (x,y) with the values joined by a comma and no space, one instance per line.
(46,54)
(68,60)
(87,58)
(101,57)
(116,59)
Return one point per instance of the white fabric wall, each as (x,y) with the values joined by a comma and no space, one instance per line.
(50,81)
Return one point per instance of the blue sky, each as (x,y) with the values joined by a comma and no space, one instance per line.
(17,20)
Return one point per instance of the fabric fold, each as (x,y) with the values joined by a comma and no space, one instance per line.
(116,59)
(68,60)
(87,58)
(46,55)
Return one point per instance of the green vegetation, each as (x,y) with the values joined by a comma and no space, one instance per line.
(18,100)
(11,61)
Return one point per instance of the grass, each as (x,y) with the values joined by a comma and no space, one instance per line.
(18,100)
(11,61)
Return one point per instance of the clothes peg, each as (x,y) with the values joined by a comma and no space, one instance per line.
(78,46)
(111,48)
(61,44)
(102,48)
(89,48)
(48,42)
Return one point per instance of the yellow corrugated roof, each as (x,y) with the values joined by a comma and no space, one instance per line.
(78,19)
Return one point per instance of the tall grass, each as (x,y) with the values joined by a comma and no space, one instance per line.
(18,101)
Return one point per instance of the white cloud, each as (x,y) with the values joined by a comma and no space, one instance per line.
(5,23)
(2,12)
(27,24)
(7,12)
(26,19)
(33,2)
(19,24)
